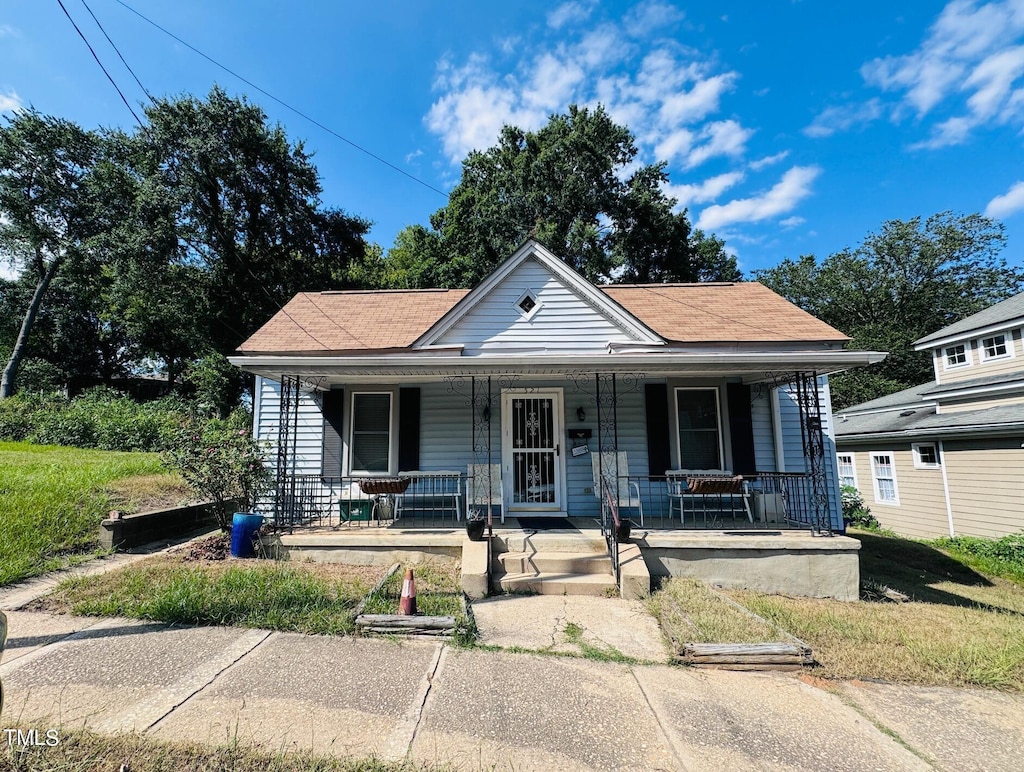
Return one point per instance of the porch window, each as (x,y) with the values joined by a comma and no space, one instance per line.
(370,442)
(994,347)
(700,429)
(883,476)
(847,473)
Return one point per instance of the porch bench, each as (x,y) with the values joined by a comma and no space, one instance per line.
(439,491)
(707,491)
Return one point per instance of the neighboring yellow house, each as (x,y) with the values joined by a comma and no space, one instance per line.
(946,458)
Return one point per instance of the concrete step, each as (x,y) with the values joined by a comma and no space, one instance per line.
(556,584)
(555,562)
(550,541)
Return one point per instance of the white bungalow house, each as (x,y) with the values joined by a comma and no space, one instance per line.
(538,395)
(946,458)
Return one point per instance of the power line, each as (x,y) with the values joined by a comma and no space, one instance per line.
(284,104)
(94,56)
(118,52)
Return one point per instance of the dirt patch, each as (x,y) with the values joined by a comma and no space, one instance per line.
(216,547)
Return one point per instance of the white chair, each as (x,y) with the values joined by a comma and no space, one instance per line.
(615,467)
(485,488)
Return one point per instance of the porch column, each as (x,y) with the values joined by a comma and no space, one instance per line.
(813,437)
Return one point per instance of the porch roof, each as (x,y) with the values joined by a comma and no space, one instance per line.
(753,366)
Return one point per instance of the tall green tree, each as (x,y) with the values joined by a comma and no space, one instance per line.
(909,279)
(245,205)
(48,206)
(572,186)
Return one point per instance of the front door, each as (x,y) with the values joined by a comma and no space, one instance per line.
(531,422)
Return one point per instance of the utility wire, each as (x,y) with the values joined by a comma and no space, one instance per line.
(94,56)
(118,52)
(284,104)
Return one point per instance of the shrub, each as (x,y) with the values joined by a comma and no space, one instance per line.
(1007,553)
(220,460)
(855,511)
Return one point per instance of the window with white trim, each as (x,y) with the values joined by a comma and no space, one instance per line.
(700,429)
(926,455)
(847,471)
(956,356)
(528,304)
(370,436)
(883,478)
(994,347)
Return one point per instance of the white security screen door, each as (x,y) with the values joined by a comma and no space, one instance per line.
(532,448)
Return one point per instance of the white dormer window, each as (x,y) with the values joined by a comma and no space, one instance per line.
(956,356)
(994,347)
(528,304)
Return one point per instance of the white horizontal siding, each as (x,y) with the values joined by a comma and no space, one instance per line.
(564,322)
(308,437)
(761,424)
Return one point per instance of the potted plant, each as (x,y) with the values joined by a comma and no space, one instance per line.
(475,525)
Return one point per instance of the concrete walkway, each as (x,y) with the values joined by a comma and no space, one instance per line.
(482,709)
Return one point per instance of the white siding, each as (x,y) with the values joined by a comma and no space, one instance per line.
(308,457)
(564,322)
(761,422)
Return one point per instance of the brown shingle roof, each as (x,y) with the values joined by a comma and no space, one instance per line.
(710,312)
(320,322)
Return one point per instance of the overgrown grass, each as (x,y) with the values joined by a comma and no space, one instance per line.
(691,612)
(999,557)
(960,627)
(52,500)
(438,591)
(298,597)
(79,751)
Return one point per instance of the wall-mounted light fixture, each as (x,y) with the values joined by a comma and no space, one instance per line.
(581,414)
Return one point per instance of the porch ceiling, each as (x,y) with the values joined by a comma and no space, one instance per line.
(753,367)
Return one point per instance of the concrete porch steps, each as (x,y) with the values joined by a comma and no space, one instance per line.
(557,584)
(555,562)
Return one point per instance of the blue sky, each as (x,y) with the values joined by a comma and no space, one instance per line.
(789,127)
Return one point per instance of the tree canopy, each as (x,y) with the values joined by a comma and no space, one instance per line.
(909,279)
(571,185)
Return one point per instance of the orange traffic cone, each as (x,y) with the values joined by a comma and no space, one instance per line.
(407,604)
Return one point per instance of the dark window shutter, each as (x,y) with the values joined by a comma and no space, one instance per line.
(659,449)
(408,429)
(333,406)
(741,428)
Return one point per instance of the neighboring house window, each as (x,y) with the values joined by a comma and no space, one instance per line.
(847,473)
(994,347)
(700,432)
(370,441)
(956,356)
(883,478)
(926,455)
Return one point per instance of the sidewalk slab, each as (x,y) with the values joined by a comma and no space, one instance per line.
(719,719)
(494,710)
(103,675)
(29,631)
(961,729)
(538,622)
(302,692)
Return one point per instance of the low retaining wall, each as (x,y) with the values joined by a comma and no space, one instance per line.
(367,547)
(786,562)
(145,527)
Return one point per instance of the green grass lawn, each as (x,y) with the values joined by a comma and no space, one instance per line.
(53,498)
(267,594)
(438,591)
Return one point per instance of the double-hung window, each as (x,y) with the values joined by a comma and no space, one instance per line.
(700,429)
(883,478)
(994,347)
(370,439)
(956,356)
(847,473)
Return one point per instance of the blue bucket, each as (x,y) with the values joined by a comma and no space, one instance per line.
(243,527)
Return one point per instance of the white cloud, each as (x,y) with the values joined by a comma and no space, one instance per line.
(410,157)
(651,16)
(768,160)
(6,30)
(723,138)
(569,13)
(698,102)
(705,191)
(10,102)
(1010,202)
(843,118)
(792,222)
(783,197)
(971,59)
